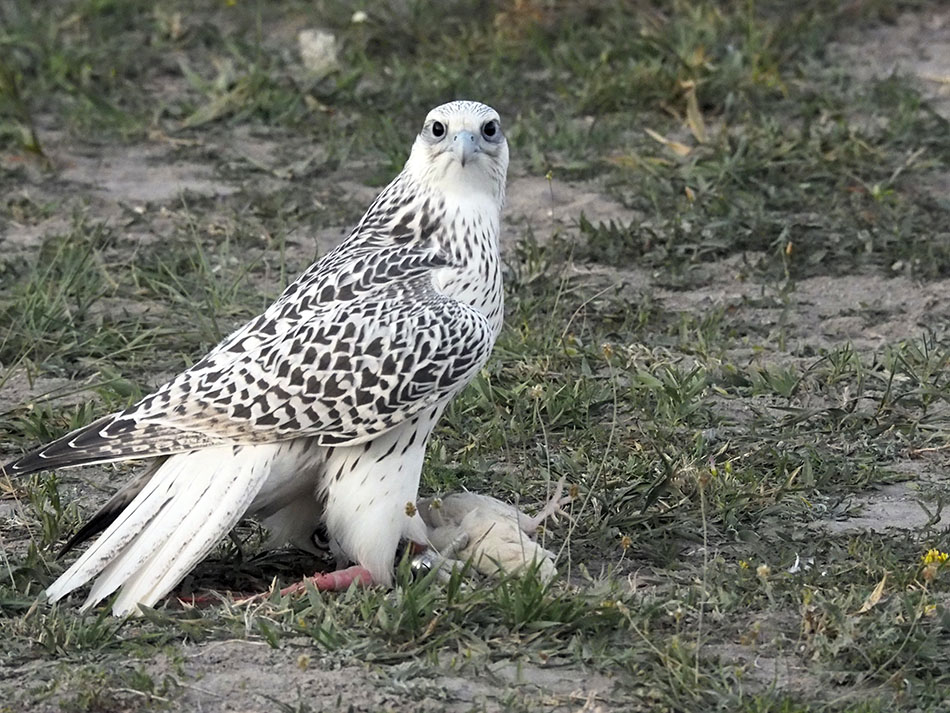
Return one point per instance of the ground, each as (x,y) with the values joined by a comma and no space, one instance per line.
(728,290)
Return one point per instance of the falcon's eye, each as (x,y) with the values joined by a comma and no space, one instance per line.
(491,131)
(437,129)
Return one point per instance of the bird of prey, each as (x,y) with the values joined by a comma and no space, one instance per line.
(314,416)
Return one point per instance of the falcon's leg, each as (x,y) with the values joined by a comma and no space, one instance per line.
(371,491)
(287,505)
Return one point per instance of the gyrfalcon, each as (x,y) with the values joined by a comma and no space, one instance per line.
(315,415)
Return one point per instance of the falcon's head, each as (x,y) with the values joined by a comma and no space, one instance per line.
(461,148)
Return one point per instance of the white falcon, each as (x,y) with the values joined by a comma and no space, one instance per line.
(315,415)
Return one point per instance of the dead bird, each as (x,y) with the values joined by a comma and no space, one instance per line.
(495,536)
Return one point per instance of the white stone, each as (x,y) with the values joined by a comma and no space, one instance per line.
(318,51)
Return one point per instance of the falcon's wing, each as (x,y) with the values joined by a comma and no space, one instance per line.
(358,369)
(349,371)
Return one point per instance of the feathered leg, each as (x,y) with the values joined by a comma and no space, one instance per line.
(371,492)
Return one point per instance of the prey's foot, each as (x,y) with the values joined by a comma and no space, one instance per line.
(551,509)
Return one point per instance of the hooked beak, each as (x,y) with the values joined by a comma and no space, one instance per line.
(464,146)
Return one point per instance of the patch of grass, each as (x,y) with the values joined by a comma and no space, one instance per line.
(54,300)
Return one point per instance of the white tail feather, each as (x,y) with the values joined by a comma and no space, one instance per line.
(190,503)
(120,533)
(219,509)
(185,490)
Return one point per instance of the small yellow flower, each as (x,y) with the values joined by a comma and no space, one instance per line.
(935,556)
(626,542)
(571,345)
(743,564)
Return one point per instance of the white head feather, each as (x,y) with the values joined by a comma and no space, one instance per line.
(461,149)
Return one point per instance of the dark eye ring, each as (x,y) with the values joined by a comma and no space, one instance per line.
(438,129)
(490,130)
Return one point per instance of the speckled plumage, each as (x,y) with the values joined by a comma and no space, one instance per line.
(317,412)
